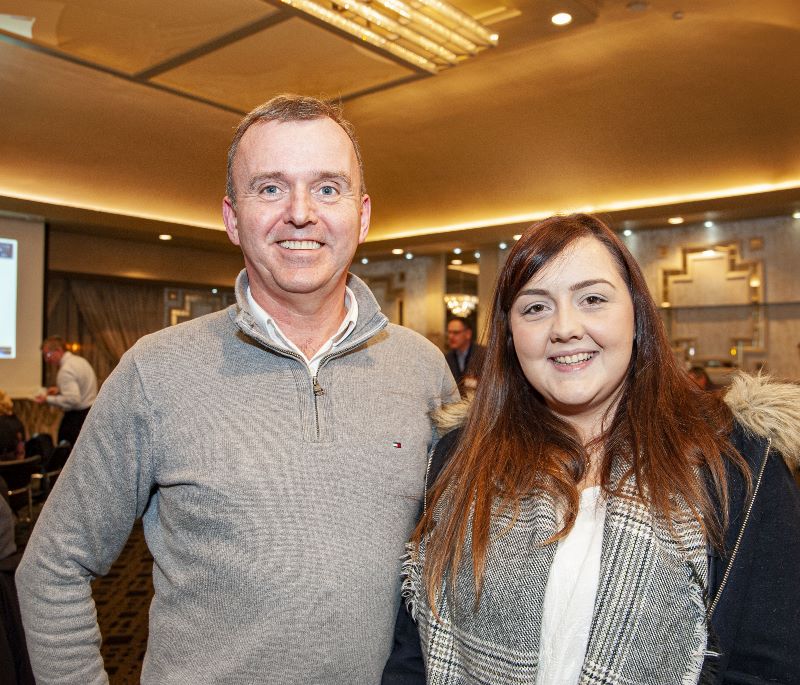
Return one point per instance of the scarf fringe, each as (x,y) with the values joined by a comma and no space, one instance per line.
(697,658)
(411,572)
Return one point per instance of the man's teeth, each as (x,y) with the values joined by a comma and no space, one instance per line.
(574,358)
(300,244)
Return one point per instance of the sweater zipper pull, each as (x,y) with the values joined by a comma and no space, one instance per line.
(318,389)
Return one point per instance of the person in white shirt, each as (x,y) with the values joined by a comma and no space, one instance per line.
(75,389)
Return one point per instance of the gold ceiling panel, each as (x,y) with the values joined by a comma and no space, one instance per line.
(293,55)
(131,35)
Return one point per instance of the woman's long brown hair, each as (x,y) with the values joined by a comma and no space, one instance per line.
(671,435)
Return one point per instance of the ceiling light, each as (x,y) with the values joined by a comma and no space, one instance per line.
(456,250)
(708,224)
(165,236)
(627,233)
(796,215)
(477,255)
(364,260)
(675,220)
(461,305)
(398,250)
(409,255)
(517,237)
(637,5)
(503,246)
(456,262)
(214,291)
(561,19)
(431,35)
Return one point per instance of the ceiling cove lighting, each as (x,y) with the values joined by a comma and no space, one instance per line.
(675,220)
(398,250)
(165,236)
(561,19)
(430,34)
(616,206)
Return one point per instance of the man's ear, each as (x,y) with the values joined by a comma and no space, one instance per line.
(366,212)
(229,218)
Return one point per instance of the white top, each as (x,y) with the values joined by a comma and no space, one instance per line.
(570,595)
(277,337)
(77,384)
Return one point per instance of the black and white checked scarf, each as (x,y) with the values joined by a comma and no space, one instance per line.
(648,628)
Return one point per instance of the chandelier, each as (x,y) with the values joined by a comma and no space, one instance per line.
(461,305)
(429,34)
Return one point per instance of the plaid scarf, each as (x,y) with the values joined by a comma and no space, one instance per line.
(648,627)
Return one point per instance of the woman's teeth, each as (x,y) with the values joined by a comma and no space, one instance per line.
(574,358)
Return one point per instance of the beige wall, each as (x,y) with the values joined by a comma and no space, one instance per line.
(778,251)
(157,261)
(419,283)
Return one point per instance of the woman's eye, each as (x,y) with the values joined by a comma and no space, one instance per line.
(594,299)
(535,308)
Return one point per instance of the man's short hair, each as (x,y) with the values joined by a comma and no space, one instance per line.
(289,107)
(464,322)
(54,342)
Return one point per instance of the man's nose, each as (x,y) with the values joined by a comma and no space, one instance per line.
(301,209)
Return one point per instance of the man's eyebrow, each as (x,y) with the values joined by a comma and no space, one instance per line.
(573,288)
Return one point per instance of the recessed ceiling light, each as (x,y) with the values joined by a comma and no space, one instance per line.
(675,220)
(503,246)
(494,37)
(456,262)
(165,236)
(796,215)
(409,255)
(627,232)
(364,260)
(456,250)
(708,224)
(517,237)
(637,5)
(397,250)
(561,19)
(477,255)
(214,291)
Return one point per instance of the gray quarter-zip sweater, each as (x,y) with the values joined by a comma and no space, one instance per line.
(276,510)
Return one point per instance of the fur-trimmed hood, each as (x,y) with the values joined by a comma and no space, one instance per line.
(763,406)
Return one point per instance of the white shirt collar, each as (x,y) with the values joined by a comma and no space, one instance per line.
(271,329)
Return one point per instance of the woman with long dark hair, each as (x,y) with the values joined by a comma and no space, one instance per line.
(597,518)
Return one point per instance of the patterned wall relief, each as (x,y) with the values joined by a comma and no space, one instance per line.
(390,294)
(713,304)
(184,304)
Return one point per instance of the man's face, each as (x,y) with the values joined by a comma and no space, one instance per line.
(458,336)
(299,214)
(52,355)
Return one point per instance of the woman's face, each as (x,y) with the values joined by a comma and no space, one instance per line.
(573,327)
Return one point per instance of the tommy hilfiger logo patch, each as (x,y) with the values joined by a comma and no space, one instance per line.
(397,444)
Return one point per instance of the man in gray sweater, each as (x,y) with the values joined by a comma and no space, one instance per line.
(276,451)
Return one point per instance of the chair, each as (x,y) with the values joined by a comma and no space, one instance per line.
(18,475)
(41,444)
(51,467)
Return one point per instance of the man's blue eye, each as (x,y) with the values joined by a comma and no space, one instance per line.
(328,190)
(269,190)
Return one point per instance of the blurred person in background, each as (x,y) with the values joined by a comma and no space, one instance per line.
(75,389)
